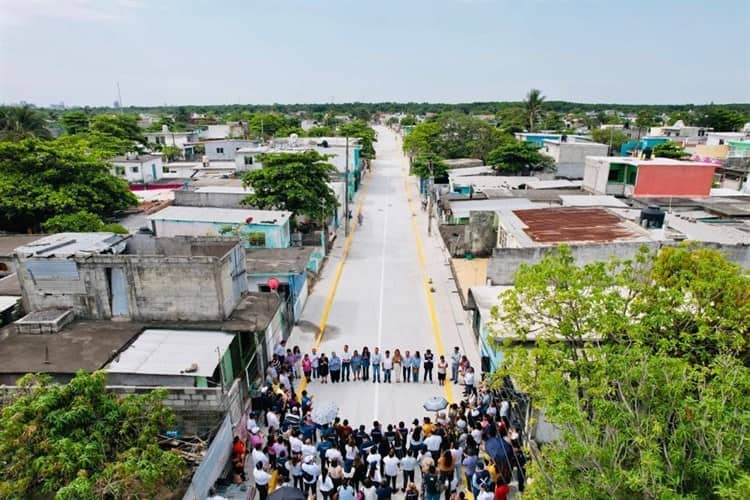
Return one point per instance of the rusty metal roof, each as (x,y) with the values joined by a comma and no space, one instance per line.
(553,225)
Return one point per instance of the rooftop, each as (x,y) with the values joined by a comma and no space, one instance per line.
(461,209)
(171,352)
(630,160)
(9,285)
(466,171)
(63,245)
(224,189)
(569,224)
(582,200)
(134,159)
(277,260)
(495,181)
(8,243)
(8,301)
(222,215)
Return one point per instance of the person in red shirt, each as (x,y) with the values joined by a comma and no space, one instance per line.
(501,489)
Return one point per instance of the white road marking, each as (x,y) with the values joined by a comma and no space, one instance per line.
(380,306)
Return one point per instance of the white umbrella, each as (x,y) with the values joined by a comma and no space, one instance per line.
(325,412)
(436,404)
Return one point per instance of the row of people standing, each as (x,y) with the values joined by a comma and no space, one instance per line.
(363,365)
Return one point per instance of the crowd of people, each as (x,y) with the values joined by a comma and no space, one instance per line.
(362,365)
(468,446)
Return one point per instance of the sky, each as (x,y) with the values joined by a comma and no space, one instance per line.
(301,51)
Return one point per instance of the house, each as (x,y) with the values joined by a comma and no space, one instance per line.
(225,149)
(224,131)
(538,138)
(481,301)
(137,168)
(289,266)
(569,154)
(219,196)
(104,276)
(258,228)
(183,140)
(678,131)
(627,176)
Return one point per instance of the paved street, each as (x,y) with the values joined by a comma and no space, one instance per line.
(381,298)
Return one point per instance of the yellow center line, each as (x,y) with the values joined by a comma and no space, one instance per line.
(337,277)
(427,288)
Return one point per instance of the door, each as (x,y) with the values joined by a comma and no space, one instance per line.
(120,305)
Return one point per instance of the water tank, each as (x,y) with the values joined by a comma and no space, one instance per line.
(652,217)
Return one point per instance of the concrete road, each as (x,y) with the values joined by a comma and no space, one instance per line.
(382,298)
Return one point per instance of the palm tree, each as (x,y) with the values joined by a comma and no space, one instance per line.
(21,122)
(533,103)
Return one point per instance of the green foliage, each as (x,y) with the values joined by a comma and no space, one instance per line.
(453,135)
(17,123)
(100,146)
(533,105)
(75,122)
(297,182)
(670,150)
(267,125)
(647,119)
(615,138)
(513,157)
(80,222)
(512,120)
(408,120)
(429,165)
(171,153)
(361,130)
(642,365)
(321,131)
(120,126)
(551,120)
(722,118)
(39,180)
(79,440)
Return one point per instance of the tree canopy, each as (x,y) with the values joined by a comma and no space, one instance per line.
(80,441)
(429,165)
(670,150)
(514,157)
(297,182)
(80,222)
(453,135)
(42,179)
(22,122)
(361,130)
(614,138)
(643,366)
(124,127)
(533,104)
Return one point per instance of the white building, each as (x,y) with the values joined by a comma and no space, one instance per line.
(136,168)
(224,131)
(226,149)
(570,154)
(335,147)
(182,140)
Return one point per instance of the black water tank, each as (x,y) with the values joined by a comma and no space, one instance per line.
(652,217)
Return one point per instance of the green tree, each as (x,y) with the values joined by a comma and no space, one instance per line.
(722,119)
(39,180)
(75,122)
(533,104)
(81,441)
(642,365)
(182,115)
(429,165)
(670,150)
(297,182)
(408,120)
(80,222)
(646,119)
(321,131)
(423,139)
(123,127)
(552,120)
(171,153)
(613,137)
(267,125)
(22,122)
(513,157)
(512,120)
(100,146)
(361,130)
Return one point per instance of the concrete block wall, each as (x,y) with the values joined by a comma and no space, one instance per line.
(482,233)
(188,198)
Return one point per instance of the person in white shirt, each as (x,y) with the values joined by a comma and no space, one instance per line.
(310,473)
(408,465)
(272,420)
(334,455)
(212,495)
(295,444)
(374,458)
(346,364)
(486,493)
(387,367)
(326,487)
(258,456)
(262,478)
(390,468)
(315,357)
(432,444)
(280,349)
(504,408)
(308,449)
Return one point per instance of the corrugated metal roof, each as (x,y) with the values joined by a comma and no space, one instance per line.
(171,352)
(554,225)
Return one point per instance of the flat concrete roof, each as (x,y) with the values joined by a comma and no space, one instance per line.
(467,171)
(652,162)
(172,352)
(277,260)
(8,301)
(462,209)
(224,189)
(64,245)
(495,181)
(221,215)
(582,200)
(9,285)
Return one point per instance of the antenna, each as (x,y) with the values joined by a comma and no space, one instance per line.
(119,96)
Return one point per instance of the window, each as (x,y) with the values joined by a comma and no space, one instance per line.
(219,150)
(3,266)
(134,170)
(248,160)
(119,170)
(164,169)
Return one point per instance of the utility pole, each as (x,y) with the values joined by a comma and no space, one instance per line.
(346,191)
(119,97)
(429,199)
